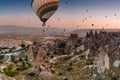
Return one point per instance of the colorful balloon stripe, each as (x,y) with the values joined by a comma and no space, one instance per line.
(47,5)
(52,8)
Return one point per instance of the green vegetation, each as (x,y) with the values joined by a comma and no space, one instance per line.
(89,62)
(1,57)
(52,71)
(67,58)
(12,58)
(10,50)
(1,48)
(31,74)
(60,73)
(48,54)
(69,68)
(23,45)
(9,71)
(114,78)
(24,66)
(100,78)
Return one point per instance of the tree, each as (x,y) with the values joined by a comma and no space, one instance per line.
(9,71)
(23,45)
(1,57)
(12,58)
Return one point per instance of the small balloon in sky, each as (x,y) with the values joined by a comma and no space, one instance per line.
(66,2)
(117,17)
(58,19)
(106,16)
(115,14)
(64,30)
(17,15)
(90,16)
(77,26)
(106,24)
(85,18)
(92,24)
(86,10)
(28,21)
(82,20)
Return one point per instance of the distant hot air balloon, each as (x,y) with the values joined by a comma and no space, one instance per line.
(86,10)
(66,2)
(82,20)
(44,9)
(58,19)
(77,26)
(90,16)
(106,16)
(64,30)
(92,24)
(85,18)
(17,15)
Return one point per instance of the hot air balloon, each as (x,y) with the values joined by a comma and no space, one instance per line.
(44,9)
(86,10)
(92,24)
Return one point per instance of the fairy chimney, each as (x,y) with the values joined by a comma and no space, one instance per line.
(103,61)
(42,60)
(30,54)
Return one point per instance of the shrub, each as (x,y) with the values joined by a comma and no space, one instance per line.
(60,73)
(1,57)
(8,71)
(52,71)
(24,66)
(31,74)
(70,63)
(12,58)
(100,78)
(66,79)
(89,62)
(114,78)
(48,54)
(69,68)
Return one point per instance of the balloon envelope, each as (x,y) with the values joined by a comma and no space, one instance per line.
(44,9)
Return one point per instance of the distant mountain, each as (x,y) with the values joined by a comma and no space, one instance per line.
(13,29)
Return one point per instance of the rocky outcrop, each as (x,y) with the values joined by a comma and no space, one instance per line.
(69,47)
(72,36)
(30,54)
(103,61)
(44,75)
(3,77)
(116,63)
(42,68)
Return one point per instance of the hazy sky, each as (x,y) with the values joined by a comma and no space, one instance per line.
(75,14)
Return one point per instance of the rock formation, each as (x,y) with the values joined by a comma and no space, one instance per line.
(30,54)
(103,61)
(42,69)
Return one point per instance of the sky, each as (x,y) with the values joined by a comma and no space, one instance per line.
(76,14)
